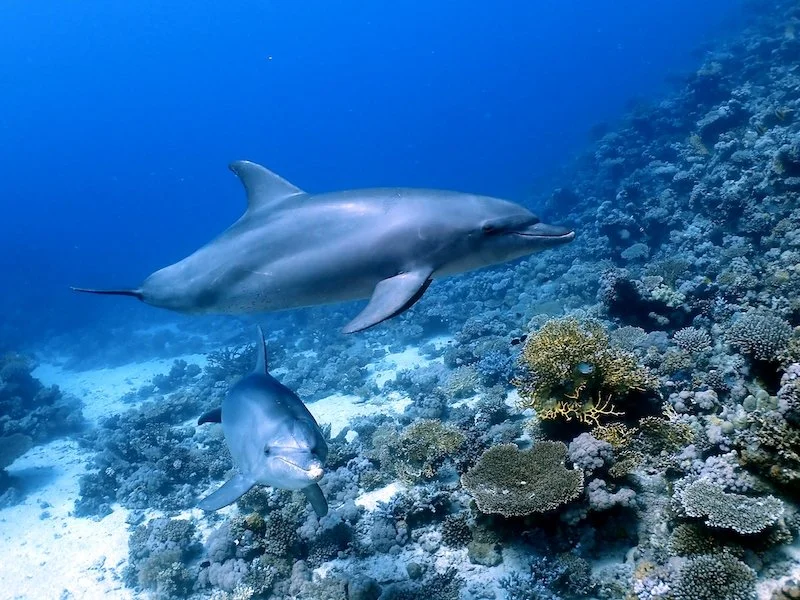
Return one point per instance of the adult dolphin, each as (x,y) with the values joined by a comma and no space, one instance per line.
(272,438)
(293,249)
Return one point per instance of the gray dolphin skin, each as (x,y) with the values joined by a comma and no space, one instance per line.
(292,249)
(272,438)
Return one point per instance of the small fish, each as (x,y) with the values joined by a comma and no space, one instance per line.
(519,340)
(584,368)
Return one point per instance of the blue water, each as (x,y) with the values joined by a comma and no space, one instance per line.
(117,119)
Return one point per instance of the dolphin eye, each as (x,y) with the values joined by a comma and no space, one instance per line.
(488,228)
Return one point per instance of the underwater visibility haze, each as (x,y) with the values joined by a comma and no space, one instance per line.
(527,275)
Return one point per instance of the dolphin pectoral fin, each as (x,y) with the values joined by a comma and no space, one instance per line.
(262,367)
(391,297)
(317,499)
(229,493)
(135,293)
(263,187)
(212,416)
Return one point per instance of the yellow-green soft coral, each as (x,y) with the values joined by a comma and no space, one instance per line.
(654,442)
(419,450)
(573,372)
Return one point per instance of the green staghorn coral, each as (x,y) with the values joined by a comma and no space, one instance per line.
(771,446)
(655,442)
(417,453)
(571,371)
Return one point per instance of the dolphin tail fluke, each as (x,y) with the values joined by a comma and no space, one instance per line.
(229,493)
(135,293)
(317,499)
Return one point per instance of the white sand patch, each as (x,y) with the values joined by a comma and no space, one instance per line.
(370,500)
(57,555)
(102,389)
(339,409)
(472,401)
(386,369)
(512,399)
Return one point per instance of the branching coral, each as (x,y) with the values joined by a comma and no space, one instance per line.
(688,539)
(572,372)
(417,453)
(563,576)
(763,337)
(231,363)
(461,382)
(714,577)
(455,530)
(655,441)
(772,447)
(693,340)
(514,482)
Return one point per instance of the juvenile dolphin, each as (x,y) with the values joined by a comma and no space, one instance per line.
(293,249)
(272,438)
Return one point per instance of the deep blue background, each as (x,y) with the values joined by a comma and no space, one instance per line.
(118,118)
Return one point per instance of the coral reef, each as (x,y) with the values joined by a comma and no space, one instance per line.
(29,408)
(157,553)
(30,414)
(148,457)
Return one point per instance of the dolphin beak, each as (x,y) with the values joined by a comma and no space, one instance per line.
(552,234)
(315,473)
(313,470)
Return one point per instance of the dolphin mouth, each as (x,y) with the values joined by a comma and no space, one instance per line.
(313,472)
(567,237)
(551,233)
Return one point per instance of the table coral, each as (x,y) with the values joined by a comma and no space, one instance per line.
(514,482)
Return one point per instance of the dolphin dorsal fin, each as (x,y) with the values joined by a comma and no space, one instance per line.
(262,368)
(264,188)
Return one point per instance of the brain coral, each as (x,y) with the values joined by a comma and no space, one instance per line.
(743,514)
(514,482)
